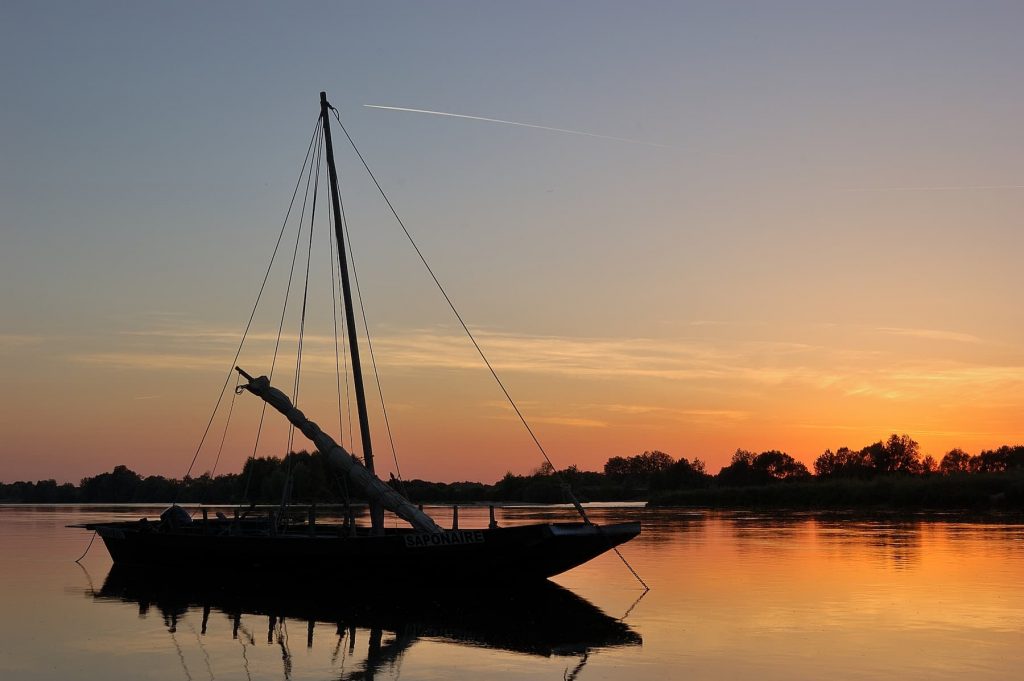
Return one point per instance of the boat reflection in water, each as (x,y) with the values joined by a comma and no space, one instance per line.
(544,619)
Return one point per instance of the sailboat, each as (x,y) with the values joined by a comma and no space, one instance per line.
(422,551)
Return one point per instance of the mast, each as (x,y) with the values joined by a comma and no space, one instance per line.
(376,510)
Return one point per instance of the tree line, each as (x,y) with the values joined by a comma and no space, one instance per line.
(774,476)
(262,480)
(890,473)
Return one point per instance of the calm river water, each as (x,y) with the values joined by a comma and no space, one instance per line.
(733,596)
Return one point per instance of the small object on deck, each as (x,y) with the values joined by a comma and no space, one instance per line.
(175,517)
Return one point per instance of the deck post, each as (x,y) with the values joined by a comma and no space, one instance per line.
(455,517)
(206,522)
(493,524)
(312,520)
(273,523)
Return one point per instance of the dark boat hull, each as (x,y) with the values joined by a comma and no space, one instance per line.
(523,553)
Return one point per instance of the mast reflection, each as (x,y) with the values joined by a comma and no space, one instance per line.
(545,619)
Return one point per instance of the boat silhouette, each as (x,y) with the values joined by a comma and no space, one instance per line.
(423,552)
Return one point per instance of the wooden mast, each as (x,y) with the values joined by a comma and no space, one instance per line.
(376,510)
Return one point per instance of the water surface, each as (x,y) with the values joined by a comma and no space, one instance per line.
(734,596)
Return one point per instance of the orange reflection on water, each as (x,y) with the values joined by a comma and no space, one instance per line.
(734,595)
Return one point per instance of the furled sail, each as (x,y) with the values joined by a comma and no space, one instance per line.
(374,488)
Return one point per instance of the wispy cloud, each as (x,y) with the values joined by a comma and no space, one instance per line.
(894,428)
(940,188)
(440,349)
(721,365)
(910,380)
(517,123)
(10,341)
(148,361)
(570,421)
(931,334)
(583,357)
(674,413)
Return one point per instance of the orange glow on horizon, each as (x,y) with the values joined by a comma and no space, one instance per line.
(587,399)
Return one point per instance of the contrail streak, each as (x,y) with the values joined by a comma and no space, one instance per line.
(522,125)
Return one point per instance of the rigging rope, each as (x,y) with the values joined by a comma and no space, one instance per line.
(289,467)
(227,422)
(335,303)
(255,306)
(277,343)
(451,305)
(565,486)
(369,343)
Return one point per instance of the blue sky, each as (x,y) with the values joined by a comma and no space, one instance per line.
(832,172)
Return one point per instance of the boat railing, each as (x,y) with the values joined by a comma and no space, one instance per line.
(305,516)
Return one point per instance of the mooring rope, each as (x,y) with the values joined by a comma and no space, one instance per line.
(91,540)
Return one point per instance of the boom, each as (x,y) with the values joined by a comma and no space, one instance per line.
(375,489)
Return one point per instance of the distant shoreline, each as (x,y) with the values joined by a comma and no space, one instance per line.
(960,492)
(889,474)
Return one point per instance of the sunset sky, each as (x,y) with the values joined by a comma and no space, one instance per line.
(790,226)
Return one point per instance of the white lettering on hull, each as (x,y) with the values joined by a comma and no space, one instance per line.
(453,538)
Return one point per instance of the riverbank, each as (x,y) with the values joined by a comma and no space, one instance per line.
(977,491)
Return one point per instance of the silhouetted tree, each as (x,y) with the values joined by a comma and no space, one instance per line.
(780,466)
(118,486)
(741,471)
(544,469)
(639,468)
(682,474)
(898,454)
(829,463)
(998,460)
(955,461)
(616,467)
